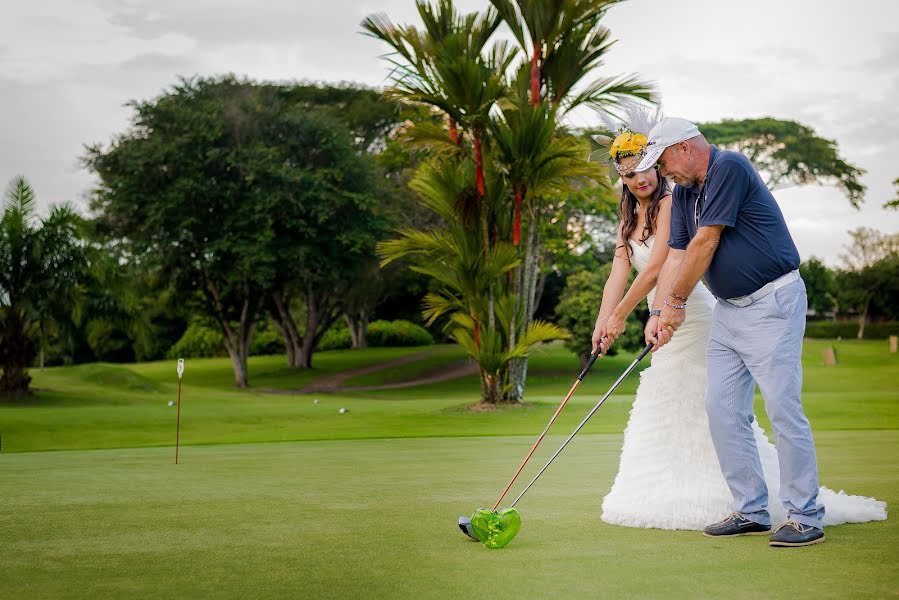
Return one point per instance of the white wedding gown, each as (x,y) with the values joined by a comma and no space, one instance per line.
(669,477)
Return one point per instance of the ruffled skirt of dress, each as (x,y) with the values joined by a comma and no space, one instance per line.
(669,476)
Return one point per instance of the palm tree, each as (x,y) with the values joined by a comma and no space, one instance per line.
(40,260)
(454,258)
(564,46)
(509,102)
(447,65)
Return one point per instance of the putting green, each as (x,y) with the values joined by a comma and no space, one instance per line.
(377,518)
(278,496)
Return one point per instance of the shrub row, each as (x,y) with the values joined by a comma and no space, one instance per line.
(202,341)
(849,329)
(378,335)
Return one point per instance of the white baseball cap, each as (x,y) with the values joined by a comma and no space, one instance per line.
(668,132)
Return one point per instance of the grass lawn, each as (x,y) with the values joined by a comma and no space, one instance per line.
(278,496)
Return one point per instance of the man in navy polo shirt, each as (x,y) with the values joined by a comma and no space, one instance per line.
(726,226)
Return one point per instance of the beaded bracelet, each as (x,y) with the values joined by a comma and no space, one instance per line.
(677,306)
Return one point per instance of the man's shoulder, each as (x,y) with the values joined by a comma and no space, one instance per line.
(729,160)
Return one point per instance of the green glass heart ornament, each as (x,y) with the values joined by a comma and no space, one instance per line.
(496,529)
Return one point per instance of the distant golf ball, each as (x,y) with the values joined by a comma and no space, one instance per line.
(171,403)
(316,401)
(344,410)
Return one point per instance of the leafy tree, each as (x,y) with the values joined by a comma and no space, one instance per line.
(819,282)
(41,262)
(503,105)
(872,274)
(324,227)
(375,125)
(788,153)
(869,246)
(894,203)
(577,310)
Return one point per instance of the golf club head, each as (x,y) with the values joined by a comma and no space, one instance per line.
(465,526)
(496,529)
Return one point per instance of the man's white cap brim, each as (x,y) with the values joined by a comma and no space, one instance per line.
(650,158)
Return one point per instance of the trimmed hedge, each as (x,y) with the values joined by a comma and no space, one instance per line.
(202,341)
(849,329)
(379,334)
(199,341)
(397,333)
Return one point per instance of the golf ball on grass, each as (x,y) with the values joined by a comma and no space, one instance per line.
(316,401)
(343,411)
(171,403)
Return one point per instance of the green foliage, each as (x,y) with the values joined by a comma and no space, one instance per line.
(199,341)
(336,338)
(202,340)
(237,191)
(894,203)
(505,167)
(579,305)
(849,329)
(379,334)
(397,333)
(819,284)
(870,284)
(788,153)
(266,340)
(42,267)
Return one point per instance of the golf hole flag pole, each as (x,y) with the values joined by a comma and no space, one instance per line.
(178,418)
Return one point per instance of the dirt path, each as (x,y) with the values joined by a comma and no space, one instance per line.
(332,383)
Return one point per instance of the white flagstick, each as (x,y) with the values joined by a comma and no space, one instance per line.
(178,421)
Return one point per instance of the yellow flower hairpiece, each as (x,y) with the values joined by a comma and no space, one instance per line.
(628,144)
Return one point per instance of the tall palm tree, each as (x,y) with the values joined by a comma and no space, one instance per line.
(508,102)
(40,259)
(564,46)
(447,65)
(454,258)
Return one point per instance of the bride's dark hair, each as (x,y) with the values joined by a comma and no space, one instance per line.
(627,210)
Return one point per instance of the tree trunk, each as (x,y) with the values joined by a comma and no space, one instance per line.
(862,318)
(237,343)
(14,355)
(358,324)
(478,164)
(279,309)
(530,270)
(320,315)
(491,388)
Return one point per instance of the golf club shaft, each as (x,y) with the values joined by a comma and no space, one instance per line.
(580,378)
(624,375)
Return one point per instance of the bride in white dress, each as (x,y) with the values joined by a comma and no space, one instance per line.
(669,476)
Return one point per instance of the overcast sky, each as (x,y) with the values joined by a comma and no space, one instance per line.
(67,69)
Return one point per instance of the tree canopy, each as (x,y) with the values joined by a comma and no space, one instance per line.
(788,153)
(235,192)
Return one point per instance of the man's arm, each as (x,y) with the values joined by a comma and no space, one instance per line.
(666,276)
(695,263)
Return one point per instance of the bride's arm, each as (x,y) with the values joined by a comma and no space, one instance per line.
(613,290)
(647,278)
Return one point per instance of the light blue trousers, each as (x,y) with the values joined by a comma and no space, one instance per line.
(762,343)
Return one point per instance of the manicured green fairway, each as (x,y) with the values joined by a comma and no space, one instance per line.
(364,504)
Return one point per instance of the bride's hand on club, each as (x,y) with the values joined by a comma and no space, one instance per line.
(599,332)
(615,326)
